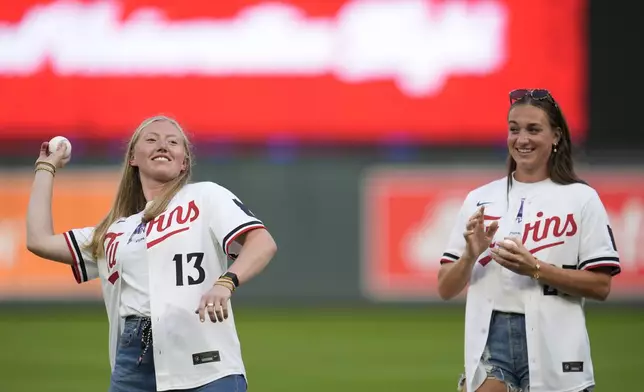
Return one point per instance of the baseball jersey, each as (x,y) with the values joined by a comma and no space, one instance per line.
(564,225)
(187,248)
(135,277)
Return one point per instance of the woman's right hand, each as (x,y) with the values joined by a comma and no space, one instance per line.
(57,158)
(477,237)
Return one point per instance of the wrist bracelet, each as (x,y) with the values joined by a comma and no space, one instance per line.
(537,271)
(44,163)
(225,284)
(232,277)
(45,169)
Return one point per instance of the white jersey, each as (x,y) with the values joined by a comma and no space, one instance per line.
(135,273)
(187,249)
(564,225)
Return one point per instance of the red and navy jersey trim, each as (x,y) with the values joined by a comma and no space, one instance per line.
(239,230)
(78,263)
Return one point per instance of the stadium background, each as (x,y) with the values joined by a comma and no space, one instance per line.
(355,162)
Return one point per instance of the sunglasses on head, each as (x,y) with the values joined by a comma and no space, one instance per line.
(537,94)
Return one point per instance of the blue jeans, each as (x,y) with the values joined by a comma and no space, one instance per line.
(130,376)
(505,357)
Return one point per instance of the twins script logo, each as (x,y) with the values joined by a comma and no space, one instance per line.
(553,227)
(180,216)
(110,255)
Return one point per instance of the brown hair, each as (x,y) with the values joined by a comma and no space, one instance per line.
(129,197)
(560,164)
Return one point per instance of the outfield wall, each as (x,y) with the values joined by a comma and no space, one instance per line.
(347,232)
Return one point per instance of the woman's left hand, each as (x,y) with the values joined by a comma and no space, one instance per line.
(215,302)
(514,257)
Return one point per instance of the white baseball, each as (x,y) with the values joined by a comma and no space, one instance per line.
(509,243)
(55,142)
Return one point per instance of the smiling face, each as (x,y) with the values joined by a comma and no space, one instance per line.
(160,152)
(531,138)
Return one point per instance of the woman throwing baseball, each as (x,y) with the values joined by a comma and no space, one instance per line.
(162,254)
(532,247)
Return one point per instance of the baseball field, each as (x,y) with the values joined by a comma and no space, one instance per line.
(301,349)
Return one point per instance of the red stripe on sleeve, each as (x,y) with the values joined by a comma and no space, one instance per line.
(242,231)
(74,258)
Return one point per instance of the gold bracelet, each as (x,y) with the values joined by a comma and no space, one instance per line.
(232,289)
(229,283)
(45,169)
(225,284)
(537,268)
(51,165)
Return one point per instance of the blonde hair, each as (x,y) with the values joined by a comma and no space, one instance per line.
(130,199)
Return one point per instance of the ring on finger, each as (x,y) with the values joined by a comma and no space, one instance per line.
(210,305)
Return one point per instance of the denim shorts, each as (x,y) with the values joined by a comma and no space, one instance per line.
(131,376)
(505,357)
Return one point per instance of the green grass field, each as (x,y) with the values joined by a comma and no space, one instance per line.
(375,349)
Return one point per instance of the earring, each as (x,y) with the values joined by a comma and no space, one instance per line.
(554,147)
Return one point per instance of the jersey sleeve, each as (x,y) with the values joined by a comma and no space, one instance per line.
(597,246)
(84,267)
(229,217)
(456,243)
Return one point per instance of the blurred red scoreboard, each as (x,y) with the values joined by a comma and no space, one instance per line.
(308,70)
